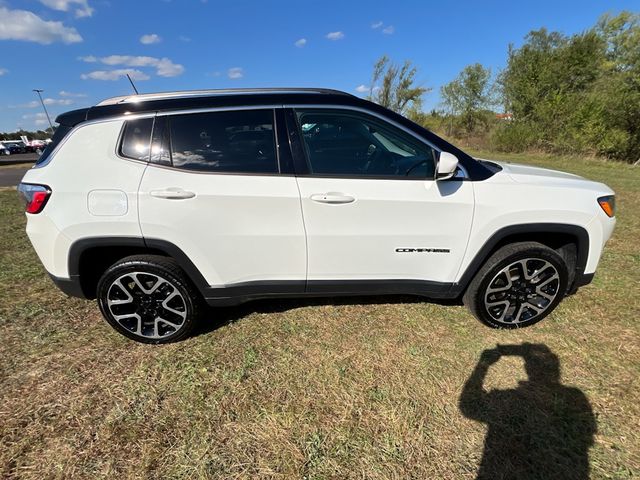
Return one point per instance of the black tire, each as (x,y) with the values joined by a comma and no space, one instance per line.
(493,307)
(138,314)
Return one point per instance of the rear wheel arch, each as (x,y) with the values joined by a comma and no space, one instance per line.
(570,241)
(90,257)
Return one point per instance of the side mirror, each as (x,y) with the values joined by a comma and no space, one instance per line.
(447,165)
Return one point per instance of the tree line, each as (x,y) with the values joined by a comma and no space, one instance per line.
(566,94)
(31,135)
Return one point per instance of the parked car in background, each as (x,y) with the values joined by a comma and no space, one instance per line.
(4,150)
(155,204)
(15,146)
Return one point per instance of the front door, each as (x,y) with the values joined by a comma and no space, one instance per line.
(372,210)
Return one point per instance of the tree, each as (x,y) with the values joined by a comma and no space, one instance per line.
(397,91)
(469,95)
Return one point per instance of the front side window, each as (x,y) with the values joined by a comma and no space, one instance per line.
(136,138)
(352,144)
(233,142)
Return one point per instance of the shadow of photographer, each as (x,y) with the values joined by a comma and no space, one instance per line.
(539,430)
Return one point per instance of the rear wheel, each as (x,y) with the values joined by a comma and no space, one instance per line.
(148,298)
(519,285)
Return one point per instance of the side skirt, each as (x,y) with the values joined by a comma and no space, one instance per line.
(244,292)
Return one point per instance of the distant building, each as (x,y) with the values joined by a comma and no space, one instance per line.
(504,116)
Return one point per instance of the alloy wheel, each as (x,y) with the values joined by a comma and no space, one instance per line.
(146,305)
(522,291)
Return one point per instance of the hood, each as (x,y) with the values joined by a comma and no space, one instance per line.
(528,174)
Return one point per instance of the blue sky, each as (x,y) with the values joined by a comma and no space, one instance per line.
(78,50)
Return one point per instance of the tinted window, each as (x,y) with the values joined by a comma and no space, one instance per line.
(136,138)
(347,143)
(240,141)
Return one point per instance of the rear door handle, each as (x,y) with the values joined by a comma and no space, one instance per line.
(172,193)
(333,198)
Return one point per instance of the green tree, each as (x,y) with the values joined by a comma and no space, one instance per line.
(469,95)
(397,90)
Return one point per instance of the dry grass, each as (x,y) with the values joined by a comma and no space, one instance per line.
(365,388)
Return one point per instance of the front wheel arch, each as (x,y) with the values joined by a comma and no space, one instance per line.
(569,240)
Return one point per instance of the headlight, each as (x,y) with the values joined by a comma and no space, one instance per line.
(608,204)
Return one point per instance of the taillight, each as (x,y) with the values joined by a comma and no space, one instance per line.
(34,196)
(608,204)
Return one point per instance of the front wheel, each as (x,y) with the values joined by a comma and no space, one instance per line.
(148,298)
(518,286)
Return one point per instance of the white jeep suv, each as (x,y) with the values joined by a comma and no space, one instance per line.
(157,204)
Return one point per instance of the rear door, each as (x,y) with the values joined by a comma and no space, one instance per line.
(214,189)
(374,215)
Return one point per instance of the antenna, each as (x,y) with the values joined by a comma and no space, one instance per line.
(39,91)
(132,84)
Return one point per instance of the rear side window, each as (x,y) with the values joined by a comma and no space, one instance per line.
(136,138)
(58,135)
(230,142)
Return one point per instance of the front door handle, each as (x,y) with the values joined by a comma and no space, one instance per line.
(333,198)
(172,193)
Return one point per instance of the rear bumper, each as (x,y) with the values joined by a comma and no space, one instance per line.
(69,286)
(580,281)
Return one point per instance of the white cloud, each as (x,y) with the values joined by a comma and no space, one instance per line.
(64,93)
(235,73)
(48,101)
(362,88)
(39,119)
(335,35)
(301,43)
(376,25)
(82,6)
(27,26)
(389,30)
(3,71)
(150,38)
(184,38)
(112,75)
(164,67)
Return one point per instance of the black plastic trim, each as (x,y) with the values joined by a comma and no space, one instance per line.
(581,235)
(379,287)
(80,246)
(296,144)
(243,292)
(580,281)
(285,156)
(69,286)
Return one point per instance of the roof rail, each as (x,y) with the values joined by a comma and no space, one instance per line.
(210,93)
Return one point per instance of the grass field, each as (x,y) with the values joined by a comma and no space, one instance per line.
(356,388)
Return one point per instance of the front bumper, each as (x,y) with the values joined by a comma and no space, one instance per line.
(69,286)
